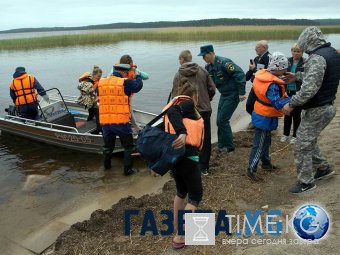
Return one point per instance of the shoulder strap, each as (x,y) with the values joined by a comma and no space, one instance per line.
(154,120)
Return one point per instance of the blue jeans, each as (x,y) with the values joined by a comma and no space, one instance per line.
(260,150)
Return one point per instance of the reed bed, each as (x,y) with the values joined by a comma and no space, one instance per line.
(219,33)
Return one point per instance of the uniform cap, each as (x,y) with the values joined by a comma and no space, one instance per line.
(206,49)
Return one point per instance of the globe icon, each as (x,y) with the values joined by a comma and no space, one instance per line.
(311,222)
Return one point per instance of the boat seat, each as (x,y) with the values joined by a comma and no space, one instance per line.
(65,120)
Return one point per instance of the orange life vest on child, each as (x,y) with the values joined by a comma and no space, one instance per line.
(84,76)
(131,74)
(263,79)
(114,104)
(195,128)
(23,87)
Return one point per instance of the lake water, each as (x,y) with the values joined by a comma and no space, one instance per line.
(40,183)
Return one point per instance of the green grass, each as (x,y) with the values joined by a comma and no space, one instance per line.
(222,33)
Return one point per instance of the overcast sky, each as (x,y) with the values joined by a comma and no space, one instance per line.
(66,13)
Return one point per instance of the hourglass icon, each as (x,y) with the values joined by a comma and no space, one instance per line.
(200,235)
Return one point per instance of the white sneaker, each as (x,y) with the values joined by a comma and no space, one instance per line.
(292,140)
(284,139)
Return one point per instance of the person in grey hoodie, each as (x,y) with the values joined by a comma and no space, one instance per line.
(199,77)
(320,81)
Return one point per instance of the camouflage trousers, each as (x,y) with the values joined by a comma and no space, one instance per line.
(306,151)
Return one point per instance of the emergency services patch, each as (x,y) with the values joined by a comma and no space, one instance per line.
(230,67)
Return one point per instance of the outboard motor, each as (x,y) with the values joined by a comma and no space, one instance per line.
(12,110)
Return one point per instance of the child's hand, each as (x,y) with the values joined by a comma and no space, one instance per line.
(180,141)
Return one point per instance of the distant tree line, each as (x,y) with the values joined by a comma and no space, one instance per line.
(191,23)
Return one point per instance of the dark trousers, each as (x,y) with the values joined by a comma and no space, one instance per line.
(188,180)
(28,111)
(294,117)
(109,145)
(260,150)
(94,113)
(206,149)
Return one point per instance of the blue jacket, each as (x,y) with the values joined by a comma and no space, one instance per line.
(270,123)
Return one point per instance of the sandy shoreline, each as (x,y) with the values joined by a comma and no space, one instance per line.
(225,188)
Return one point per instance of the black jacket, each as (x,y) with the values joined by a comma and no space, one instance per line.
(264,60)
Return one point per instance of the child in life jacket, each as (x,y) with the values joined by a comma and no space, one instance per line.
(184,120)
(88,84)
(270,98)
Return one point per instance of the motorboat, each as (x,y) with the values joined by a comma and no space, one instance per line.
(63,123)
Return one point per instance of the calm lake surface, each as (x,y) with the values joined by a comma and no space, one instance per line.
(38,183)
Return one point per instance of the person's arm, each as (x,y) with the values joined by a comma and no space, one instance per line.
(143,75)
(175,85)
(315,69)
(211,87)
(133,86)
(41,91)
(251,101)
(239,77)
(273,94)
(13,95)
(249,75)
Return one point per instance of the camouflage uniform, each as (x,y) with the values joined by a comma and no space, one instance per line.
(87,97)
(314,120)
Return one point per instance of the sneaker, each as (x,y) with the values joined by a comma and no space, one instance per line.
(324,174)
(292,140)
(300,187)
(253,177)
(130,171)
(204,171)
(284,139)
(269,167)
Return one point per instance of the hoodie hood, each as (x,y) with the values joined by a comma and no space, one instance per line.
(19,75)
(310,39)
(188,69)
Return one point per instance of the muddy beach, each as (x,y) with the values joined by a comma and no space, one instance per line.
(225,188)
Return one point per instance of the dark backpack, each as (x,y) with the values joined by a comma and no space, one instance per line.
(155,147)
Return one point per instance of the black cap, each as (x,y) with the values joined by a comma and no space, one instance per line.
(206,49)
(20,69)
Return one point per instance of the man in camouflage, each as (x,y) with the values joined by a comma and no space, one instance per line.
(230,81)
(320,81)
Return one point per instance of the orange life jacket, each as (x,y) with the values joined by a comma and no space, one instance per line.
(23,87)
(195,128)
(263,79)
(114,104)
(131,74)
(84,76)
